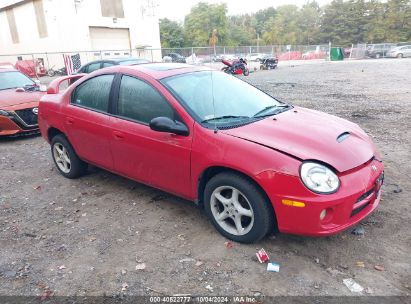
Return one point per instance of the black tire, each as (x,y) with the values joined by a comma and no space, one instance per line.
(246,72)
(77,166)
(399,55)
(226,70)
(264,217)
(51,73)
(377,56)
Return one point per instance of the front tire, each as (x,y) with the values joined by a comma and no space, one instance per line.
(66,159)
(238,209)
(226,70)
(246,72)
(399,56)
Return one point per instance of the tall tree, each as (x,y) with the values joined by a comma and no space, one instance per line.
(241,30)
(283,27)
(203,19)
(309,20)
(261,18)
(398,20)
(171,34)
(342,22)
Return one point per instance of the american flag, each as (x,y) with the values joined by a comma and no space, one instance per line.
(72,63)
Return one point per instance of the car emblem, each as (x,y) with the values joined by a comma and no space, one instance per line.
(374,168)
(35,111)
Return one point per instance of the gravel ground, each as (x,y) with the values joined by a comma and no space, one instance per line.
(93,236)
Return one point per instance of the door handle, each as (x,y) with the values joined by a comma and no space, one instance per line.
(69,120)
(118,135)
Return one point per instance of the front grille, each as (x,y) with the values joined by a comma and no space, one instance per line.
(27,116)
(361,198)
(358,210)
(365,195)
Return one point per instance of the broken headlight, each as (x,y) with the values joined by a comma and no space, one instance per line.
(319,178)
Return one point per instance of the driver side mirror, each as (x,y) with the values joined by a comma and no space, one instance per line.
(165,124)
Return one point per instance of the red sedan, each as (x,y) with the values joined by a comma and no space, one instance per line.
(254,163)
(19,99)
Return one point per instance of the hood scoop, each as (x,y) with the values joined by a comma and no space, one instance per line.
(343,136)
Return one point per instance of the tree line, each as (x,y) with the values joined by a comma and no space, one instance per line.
(340,22)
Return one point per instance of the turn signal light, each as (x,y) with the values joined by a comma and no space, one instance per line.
(293,203)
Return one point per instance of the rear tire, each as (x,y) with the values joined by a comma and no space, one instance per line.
(51,73)
(66,159)
(238,209)
(377,56)
(399,56)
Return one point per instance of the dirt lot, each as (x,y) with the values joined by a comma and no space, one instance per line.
(86,236)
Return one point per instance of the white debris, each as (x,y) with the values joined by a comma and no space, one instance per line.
(124,287)
(187,260)
(352,285)
(141,266)
(208,287)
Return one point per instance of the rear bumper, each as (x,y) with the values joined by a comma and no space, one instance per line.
(358,196)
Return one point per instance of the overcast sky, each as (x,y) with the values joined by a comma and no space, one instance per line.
(177,9)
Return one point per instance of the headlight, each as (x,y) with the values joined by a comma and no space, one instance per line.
(4,113)
(319,178)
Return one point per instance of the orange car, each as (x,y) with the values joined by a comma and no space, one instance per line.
(19,100)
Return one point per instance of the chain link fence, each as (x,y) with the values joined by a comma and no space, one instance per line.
(52,61)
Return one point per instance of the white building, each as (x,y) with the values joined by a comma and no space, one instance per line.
(47,26)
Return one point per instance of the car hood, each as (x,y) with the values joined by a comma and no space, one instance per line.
(311,135)
(9,98)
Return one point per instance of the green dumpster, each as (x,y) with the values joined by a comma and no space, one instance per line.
(336,54)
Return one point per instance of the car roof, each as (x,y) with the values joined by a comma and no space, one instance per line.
(119,59)
(163,70)
(7,70)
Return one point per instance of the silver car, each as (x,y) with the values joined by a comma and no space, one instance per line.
(400,51)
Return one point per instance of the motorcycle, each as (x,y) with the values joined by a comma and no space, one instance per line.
(236,67)
(268,63)
(60,72)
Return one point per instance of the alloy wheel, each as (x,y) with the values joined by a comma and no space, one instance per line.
(232,210)
(62,158)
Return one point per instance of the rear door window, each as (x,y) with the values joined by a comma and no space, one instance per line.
(94,93)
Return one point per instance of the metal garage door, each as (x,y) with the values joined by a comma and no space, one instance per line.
(103,38)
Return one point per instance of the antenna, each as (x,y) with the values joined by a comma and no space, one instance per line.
(212,96)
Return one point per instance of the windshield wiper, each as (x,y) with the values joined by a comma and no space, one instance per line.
(266,109)
(224,117)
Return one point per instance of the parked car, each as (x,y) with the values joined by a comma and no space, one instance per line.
(255,56)
(19,99)
(378,50)
(176,57)
(104,63)
(254,163)
(400,51)
(230,57)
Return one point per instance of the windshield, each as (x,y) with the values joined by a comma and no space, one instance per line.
(12,80)
(218,98)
